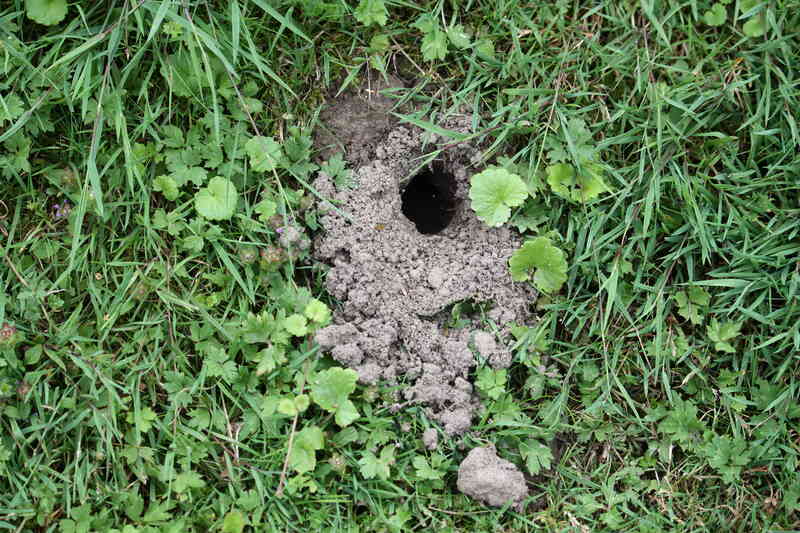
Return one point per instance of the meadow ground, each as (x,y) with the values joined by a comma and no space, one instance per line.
(158,369)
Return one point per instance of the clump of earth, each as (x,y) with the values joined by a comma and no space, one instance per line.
(403,245)
(484,476)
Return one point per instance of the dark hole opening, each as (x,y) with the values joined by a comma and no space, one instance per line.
(429,200)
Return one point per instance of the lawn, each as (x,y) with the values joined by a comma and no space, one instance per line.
(159,300)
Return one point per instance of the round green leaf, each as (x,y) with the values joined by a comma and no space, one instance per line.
(317,311)
(330,390)
(303,457)
(716,15)
(561,177)
(548,261)
(297,325)
(566,183)
(234,522)
(217,201)
(494,192)
(755,27)
(46,12)
(346,414)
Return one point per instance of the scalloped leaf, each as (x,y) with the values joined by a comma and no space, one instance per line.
(46,12)
(716,15)
(548,261)
(330,390)
(566,183)
(218,200)
(494,192)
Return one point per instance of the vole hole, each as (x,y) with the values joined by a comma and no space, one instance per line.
(429,199)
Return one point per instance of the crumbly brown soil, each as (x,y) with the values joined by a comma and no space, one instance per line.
(394,282)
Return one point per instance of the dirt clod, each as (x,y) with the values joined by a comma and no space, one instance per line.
(486,477)
(394,281)
(430,438)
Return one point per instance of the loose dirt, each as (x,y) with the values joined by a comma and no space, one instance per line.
(488,478)
(394,282)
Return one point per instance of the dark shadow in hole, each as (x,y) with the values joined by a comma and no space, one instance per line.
(429,199)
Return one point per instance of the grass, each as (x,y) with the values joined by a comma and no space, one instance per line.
(138,393)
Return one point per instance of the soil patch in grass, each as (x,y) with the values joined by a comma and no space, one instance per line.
(412,248)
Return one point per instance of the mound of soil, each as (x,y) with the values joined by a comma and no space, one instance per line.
(486,477)
(403,244)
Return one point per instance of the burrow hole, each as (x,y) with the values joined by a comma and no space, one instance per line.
(429,199)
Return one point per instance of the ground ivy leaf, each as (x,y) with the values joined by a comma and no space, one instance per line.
(493,192)
(548,260)
(234,522)
(264,153)
(560,177)
(346,414)
(193,243)
(218,200)
(590,183)
(293,406)
(755,27)
(564,182)
(303,457)
(296,324)
(317,311)
(330,390)
(46,12)
(716,15)
(173,136)
(372,12)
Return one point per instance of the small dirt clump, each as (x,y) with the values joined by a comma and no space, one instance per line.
(486,477)
(430,438)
